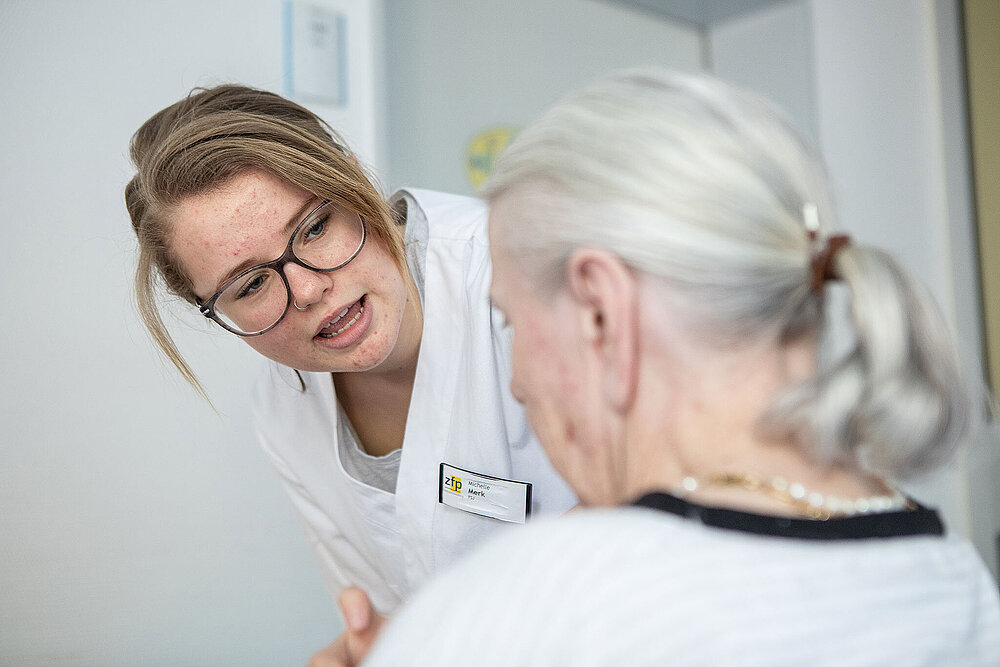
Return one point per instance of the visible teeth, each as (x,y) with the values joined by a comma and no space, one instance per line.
(339,315)
(348,325)
(337,318)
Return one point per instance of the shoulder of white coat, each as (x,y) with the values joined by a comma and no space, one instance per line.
(448,215)
(276,388)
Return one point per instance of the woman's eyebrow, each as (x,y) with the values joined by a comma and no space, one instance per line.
(293,221)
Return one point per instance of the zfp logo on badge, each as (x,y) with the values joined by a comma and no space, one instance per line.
(453,484)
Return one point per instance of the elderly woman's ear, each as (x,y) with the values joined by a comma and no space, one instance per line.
(604,294)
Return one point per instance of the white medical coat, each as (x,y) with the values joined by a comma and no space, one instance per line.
(461,413)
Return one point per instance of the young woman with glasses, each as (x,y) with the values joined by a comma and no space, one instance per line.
(385,403)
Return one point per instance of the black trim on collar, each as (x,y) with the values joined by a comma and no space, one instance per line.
(903,523)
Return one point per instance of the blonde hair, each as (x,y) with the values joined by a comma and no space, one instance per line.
(208,138)
(705,186)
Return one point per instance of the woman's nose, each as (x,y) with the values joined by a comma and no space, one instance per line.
(307,286)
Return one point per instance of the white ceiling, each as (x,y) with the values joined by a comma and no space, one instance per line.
(701,13)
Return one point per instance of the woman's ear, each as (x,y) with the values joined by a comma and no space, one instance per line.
(604,293)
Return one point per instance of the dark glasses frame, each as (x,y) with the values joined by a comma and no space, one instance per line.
(207,307)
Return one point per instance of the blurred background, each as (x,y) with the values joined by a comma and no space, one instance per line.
(140,527)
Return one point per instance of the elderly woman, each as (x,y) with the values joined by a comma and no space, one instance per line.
(662,249)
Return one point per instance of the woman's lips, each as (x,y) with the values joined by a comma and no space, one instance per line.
(342,320)
(347,325)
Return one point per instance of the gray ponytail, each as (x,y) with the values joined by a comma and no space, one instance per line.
(703,185)
(895,404)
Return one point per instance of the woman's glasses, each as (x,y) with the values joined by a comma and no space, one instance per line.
(255,301)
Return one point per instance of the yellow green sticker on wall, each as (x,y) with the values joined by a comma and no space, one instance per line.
(483,151)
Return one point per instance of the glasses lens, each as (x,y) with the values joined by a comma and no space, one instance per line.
(329,238)
(253,302)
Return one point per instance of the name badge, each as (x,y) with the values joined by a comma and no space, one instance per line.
(502,499)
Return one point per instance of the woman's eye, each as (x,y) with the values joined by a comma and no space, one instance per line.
(252,286)
(315,229)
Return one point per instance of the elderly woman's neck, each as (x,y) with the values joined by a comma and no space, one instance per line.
(696,412)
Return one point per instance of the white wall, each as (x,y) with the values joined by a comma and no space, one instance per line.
(137,526)
(457,67)
(771,51)
(982,464)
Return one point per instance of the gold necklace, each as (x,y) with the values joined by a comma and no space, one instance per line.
(813,504)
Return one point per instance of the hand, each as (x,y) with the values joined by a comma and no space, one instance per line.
(363,626)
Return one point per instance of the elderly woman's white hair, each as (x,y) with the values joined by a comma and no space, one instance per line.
(708,188)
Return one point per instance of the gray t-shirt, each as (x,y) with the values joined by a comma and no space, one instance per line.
(381,471)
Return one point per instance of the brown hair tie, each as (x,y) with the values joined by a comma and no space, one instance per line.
(822,261)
